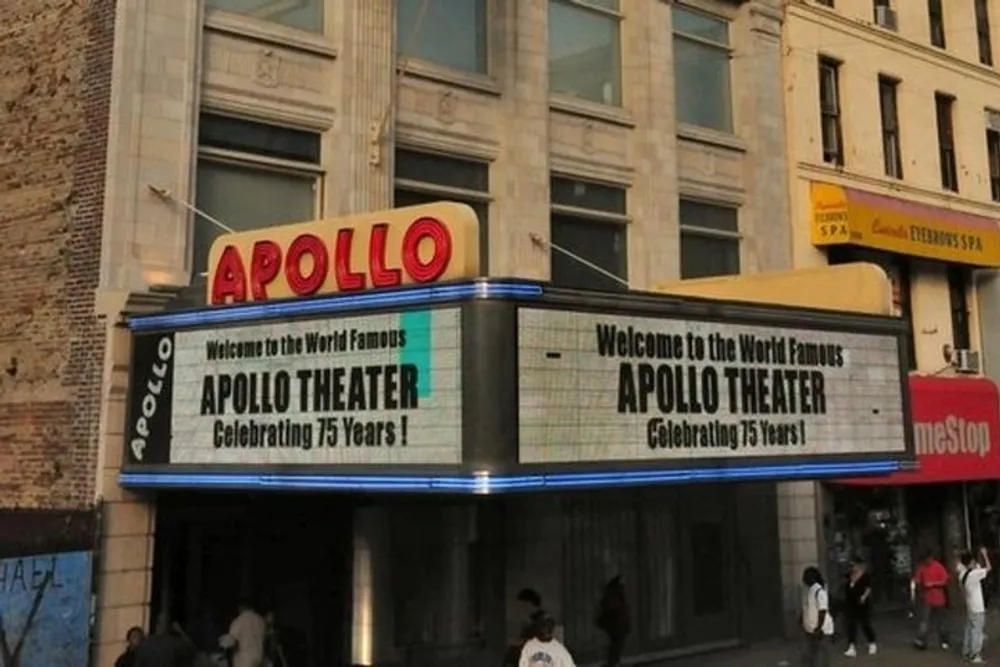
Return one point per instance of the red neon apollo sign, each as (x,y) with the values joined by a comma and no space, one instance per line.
(413,245)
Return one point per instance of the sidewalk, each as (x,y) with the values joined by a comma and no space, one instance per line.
(895,649)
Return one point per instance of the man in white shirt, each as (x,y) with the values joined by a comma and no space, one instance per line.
(247,632)
(970,576)
(817,622)
(544,650)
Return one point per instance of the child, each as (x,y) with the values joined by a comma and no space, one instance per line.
(544,650)
(817,622)
(970,576)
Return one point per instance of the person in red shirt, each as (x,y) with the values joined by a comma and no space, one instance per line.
(929,585)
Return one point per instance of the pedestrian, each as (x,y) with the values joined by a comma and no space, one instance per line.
(530,601)
(165,647)
(133,638)
(246,636)
(613,619)
(929,586)
(858,607)
(971,573)
(544,650)
(817,622)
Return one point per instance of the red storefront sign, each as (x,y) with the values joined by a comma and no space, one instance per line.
(956,432)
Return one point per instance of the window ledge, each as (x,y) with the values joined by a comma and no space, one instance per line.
(473,81)
(602,112)
(704,135)
(270,33)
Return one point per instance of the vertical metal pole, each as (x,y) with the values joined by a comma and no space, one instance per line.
(965,514)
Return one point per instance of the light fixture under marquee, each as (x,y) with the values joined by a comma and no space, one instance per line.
(484,483)
(261,312)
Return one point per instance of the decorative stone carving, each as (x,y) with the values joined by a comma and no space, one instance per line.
(587,139)
(267,70)
(446,107)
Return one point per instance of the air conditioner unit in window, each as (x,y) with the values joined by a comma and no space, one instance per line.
(993,120)
(885,17)
(965,361)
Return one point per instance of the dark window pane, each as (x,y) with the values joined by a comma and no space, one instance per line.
(601,243)
(584,194)
(451,32)
(243,198)
(703,86)
(705,256)
(442,170)
(259,138)
(700,25)
(413,198)
(709,565)
(709,216)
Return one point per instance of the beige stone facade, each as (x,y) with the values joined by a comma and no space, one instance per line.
(174,60)
(896,46)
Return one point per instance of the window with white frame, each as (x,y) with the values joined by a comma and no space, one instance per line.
(589,221)
(451,33)
(701,69)
(252,175)
(710,239)
(585,50)
(298,14)
(423,178)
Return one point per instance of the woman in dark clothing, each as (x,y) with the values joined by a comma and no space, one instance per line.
(858,607)
(613,618)
(132,640)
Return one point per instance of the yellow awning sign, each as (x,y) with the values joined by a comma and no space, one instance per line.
(844,216)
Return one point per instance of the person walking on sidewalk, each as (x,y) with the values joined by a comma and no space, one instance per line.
(930,583)
(817,622)
(858,607)
(971,573)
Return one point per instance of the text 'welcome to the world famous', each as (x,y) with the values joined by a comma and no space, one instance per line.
(718,391)
(320,406)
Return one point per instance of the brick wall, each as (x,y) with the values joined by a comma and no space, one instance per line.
(55,72)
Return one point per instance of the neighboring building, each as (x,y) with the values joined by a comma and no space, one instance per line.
(138,131)
(894,150)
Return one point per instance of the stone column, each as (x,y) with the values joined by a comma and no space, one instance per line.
(124,577)
(520,174)
(648,73)
(372,611)
(798,523)
(362,138)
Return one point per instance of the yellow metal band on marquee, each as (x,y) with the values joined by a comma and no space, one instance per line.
(844,216)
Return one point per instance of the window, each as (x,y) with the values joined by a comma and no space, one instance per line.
(958,285)
(936,14)
(300,14)
(885,16)
(946,141)
(890,126)
(588,220)
(897,268)
(251,175)
(585,50)
(710,240)
(422,178)
(993,151)
(983,32)
(451,33)
(829,109)
(701,70)
(825,3)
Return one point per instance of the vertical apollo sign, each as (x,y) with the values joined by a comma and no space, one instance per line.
(368,389)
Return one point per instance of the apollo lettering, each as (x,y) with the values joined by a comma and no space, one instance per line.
(150,400)
(952,435)
(310,262)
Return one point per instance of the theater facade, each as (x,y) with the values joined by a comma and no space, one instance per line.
(385,448)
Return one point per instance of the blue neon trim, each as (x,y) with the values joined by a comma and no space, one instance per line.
(258,312)
(482,483)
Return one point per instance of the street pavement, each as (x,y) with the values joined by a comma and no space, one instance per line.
(895,649)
